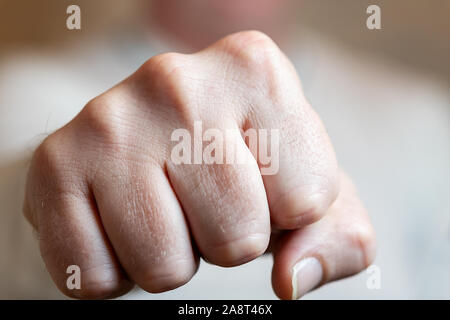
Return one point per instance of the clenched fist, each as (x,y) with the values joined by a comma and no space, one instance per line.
(105,193)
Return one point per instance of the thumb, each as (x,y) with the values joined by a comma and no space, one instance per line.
(339,245)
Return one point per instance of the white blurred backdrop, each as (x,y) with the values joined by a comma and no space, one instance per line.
(384,100)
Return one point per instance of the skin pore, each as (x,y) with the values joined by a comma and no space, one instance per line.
(104,194)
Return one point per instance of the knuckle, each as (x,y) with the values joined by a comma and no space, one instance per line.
(166,70)
(237,251)
(254,49)
(103,119)
(263,68)
(49,158)
(162,64)
(315,207)
(166,77)
(174,274)
(318,201)
(362,236)
(300,207)
(98,290)
(54,173)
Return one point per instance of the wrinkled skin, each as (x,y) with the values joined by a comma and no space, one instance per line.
(103,193)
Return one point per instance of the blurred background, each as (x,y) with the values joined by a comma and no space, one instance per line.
(384,96)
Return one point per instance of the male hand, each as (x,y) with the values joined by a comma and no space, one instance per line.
(104,192)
